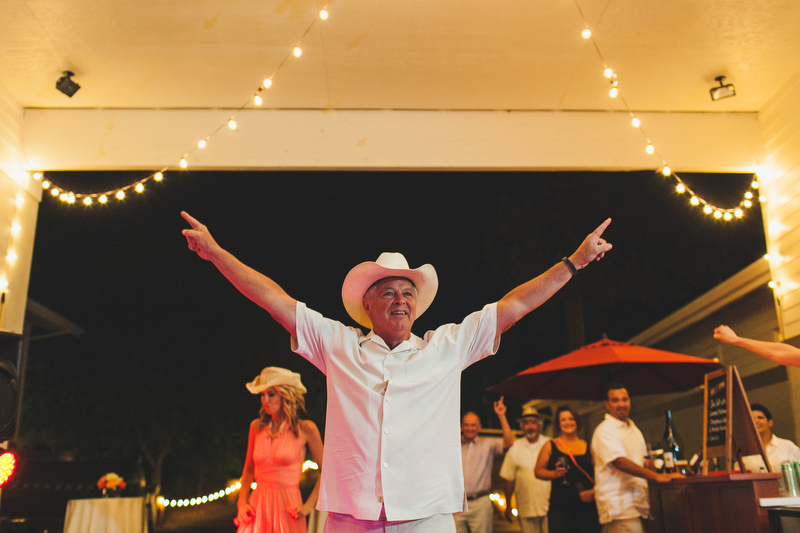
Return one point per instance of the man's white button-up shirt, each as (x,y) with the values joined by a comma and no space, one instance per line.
(392,434)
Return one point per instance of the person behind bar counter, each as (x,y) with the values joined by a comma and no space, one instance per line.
(778,450)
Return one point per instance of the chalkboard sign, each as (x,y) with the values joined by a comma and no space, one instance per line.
(717,411)
(728,427)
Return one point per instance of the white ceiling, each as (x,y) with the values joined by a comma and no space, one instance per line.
(403,54)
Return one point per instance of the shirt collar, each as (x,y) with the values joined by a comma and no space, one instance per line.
(619,422)
(413,343)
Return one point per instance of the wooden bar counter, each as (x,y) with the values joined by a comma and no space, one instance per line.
(727,503)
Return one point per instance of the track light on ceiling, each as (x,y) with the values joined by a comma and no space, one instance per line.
(66,85)
(722,91)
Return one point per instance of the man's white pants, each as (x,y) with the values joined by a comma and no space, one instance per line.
(344,523)
(479,518)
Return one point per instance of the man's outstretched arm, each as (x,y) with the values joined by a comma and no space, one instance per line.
(256,286)
(530,295)
(779,352)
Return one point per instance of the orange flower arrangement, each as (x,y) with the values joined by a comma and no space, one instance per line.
(111,481)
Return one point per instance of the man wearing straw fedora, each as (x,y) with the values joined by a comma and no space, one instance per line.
(392,447)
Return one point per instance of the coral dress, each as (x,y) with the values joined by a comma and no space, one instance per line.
(278,463)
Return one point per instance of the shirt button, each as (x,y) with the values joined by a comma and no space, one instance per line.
(386,431)
(388,399)
(386,465)
(380,499)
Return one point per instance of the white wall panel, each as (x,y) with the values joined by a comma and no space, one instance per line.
(780,124)
(67,139)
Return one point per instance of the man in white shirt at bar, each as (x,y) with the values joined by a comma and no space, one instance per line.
(392,447)
(477,458)
(619,467)
(778,450)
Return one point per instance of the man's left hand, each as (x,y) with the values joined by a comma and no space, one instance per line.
(593,247)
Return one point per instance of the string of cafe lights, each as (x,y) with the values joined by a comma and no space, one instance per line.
(70,197)
(680,186)
(208,498)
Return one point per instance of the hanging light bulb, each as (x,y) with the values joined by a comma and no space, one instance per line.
(754,185)
(103,199)
(54,191)
(87,200)
(45,184)
(120,195)
(762,198)
(258,100)
(649,149)
(267,83)
(707,209)
(297,52)
(747,203)
(139,187)
(666,171)
(159,176)
(748,195)
(717,214)
(323,14)
(37,176)
(11,257)
(202,143)
(608,73)
(738,213)
(232,124)
(586,33)
(635,122)
(613,92)
(727,216)
(680,188)
(183,163)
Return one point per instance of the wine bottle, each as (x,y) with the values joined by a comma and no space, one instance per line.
(672,450)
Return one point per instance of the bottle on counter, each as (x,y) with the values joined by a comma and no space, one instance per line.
(672,450)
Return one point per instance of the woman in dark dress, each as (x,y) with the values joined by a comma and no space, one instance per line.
(567,462)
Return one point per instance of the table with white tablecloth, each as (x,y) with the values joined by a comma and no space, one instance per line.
(106,515)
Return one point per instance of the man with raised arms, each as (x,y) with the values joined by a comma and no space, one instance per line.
(392,446)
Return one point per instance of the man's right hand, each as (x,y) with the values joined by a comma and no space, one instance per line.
(198,238)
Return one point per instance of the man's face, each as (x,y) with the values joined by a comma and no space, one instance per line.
(531,427)
(391,304)
(470,426)
(763,426)
(619,404)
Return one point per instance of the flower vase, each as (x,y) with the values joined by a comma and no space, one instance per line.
(110,493)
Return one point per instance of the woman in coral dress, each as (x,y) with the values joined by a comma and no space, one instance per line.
(275,453)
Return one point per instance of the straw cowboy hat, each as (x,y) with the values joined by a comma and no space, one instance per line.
(529,412)
(388,265)
(273,375)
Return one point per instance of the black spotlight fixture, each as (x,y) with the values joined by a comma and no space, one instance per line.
(66,85)
(722,91)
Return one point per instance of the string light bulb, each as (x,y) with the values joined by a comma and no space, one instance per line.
(232,124)
(37,176)
(695,200)
(87,200)
(614,92)
(183,163)
(754,185)
(681,188)
(54,192)
(297,52)
(45,184)
(608,73)
(666,171)
(158,176)
(257,100)
(738,213)
(649,149)
(103,199)
(120,195)
(267,83)
(635,122)
(139,188)
(586,33)
(323,14)
(202,143)
(747,203)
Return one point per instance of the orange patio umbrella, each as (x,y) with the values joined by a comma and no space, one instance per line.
(584,373)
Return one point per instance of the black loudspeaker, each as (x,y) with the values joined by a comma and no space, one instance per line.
(9,400)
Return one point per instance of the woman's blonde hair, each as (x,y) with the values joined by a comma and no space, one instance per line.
(293,403)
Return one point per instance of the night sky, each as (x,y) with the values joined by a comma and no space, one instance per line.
(162,322)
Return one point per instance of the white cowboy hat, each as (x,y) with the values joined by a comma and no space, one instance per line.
(388,265)
(273,375)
